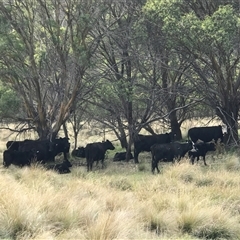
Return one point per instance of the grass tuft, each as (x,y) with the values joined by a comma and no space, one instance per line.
(122,184)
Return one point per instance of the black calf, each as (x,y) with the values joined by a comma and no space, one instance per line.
(61,168)
(119,156)
(200,150)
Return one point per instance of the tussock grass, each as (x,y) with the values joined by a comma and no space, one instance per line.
(184,201)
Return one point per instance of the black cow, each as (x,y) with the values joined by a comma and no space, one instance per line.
(143,143)
(14,145)
(41,148)
(180,149)
(206,134)
(61,168)
(60,145)
(96,152)
(119,156)
(200,150)
(44,150)
(168,152)
(17,158)
(80,152)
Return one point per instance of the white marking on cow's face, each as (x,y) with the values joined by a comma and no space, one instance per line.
(193,147)
(224,129)
(194,150)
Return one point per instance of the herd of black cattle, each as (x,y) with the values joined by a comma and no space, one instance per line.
(162,147)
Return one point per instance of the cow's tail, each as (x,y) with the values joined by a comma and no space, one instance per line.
(188,135)
(190,140)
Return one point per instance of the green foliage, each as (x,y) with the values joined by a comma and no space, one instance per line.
(184,26)
(9,103)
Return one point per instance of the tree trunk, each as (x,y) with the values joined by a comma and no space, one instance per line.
(130,131)
(229,116)
(120,133)
(42,131)
(65,130)
(149,129)
(175,126)
(42,134)
(130,141)
(123,141)
(75,140)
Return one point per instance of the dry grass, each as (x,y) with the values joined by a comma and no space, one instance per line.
(122,201)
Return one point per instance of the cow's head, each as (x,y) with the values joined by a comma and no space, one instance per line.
(172,136)
(211,146)
(109,145)
(224,129)
(61,145)
(81,152)
(194,147)
(74,152)
(190,144)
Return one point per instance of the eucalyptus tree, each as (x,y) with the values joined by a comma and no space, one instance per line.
(127,93)
(46,48)
(206,34)
(167,69)
(123,94)
(79,117)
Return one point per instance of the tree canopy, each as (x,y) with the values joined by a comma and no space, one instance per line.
(207,36)
(46,49)
(132,62)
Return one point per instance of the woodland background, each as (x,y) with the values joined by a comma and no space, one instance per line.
(121,64)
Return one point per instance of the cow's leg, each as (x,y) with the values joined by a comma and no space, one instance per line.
(204,160)
(88,165)
(103,165)
(97,161)
(155,165)
(91,164)
(68,163)
(136,153)
(192,159)
(6,164)
(65,156)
